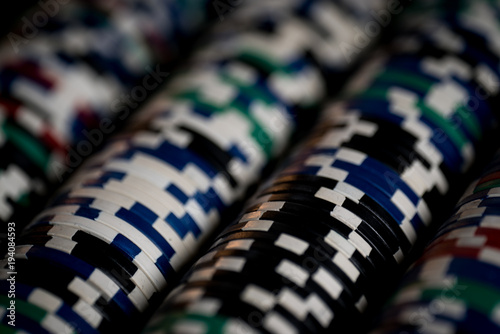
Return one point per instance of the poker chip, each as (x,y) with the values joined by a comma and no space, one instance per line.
(384,160)
(353,211)
(458,266)
(36,314)
(114,241)
(65,80)
(354,242)
(185,321)
(452,287)
(124,226)
(113,260)
(451,311)
(144,234)
(53,306)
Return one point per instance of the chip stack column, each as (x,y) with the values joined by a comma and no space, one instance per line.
(454,286)
(113,239)
(68,75)
(326,237)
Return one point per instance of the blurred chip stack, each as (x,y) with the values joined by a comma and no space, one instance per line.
(68,74)
(454,286)
(102,254)
(325,239)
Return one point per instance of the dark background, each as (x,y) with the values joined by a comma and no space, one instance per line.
(11,13)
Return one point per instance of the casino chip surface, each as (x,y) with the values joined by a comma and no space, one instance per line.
(325,239)
(320,245)
(69,73)
(116,235)
(453,286)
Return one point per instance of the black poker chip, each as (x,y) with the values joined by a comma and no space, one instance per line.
(368,211)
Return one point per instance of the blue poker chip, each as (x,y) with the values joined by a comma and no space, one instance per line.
(474,212)
(64,311)
(371,197)
(455,118)
(160,147)
(117,243)
(321,224)
(102,314)
(408,148)
(163,218)
(128,228)
(474,51)
(475,40)
(380,174)
(61,262)
(487,203)
(125,274)
(206,201)
(210,152)
(179,159)
(398,156)
(439,138)
(388,131)
(260,82)
(107,232)
(474,197)
(99,315)
(412,62)
(136,212)
(205,125)
(90,249)
(474,269)
(388,179)
(375,108)
(172,154)
(167,179)
(22,322)
(480,196)
(370,225)
(470,321)
(413,206)
(418,178)
(451,225)
(145,206)
(132,218)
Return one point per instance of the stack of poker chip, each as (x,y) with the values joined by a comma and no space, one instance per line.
(117,234)
(68,72)
(326,237)
(454,286)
